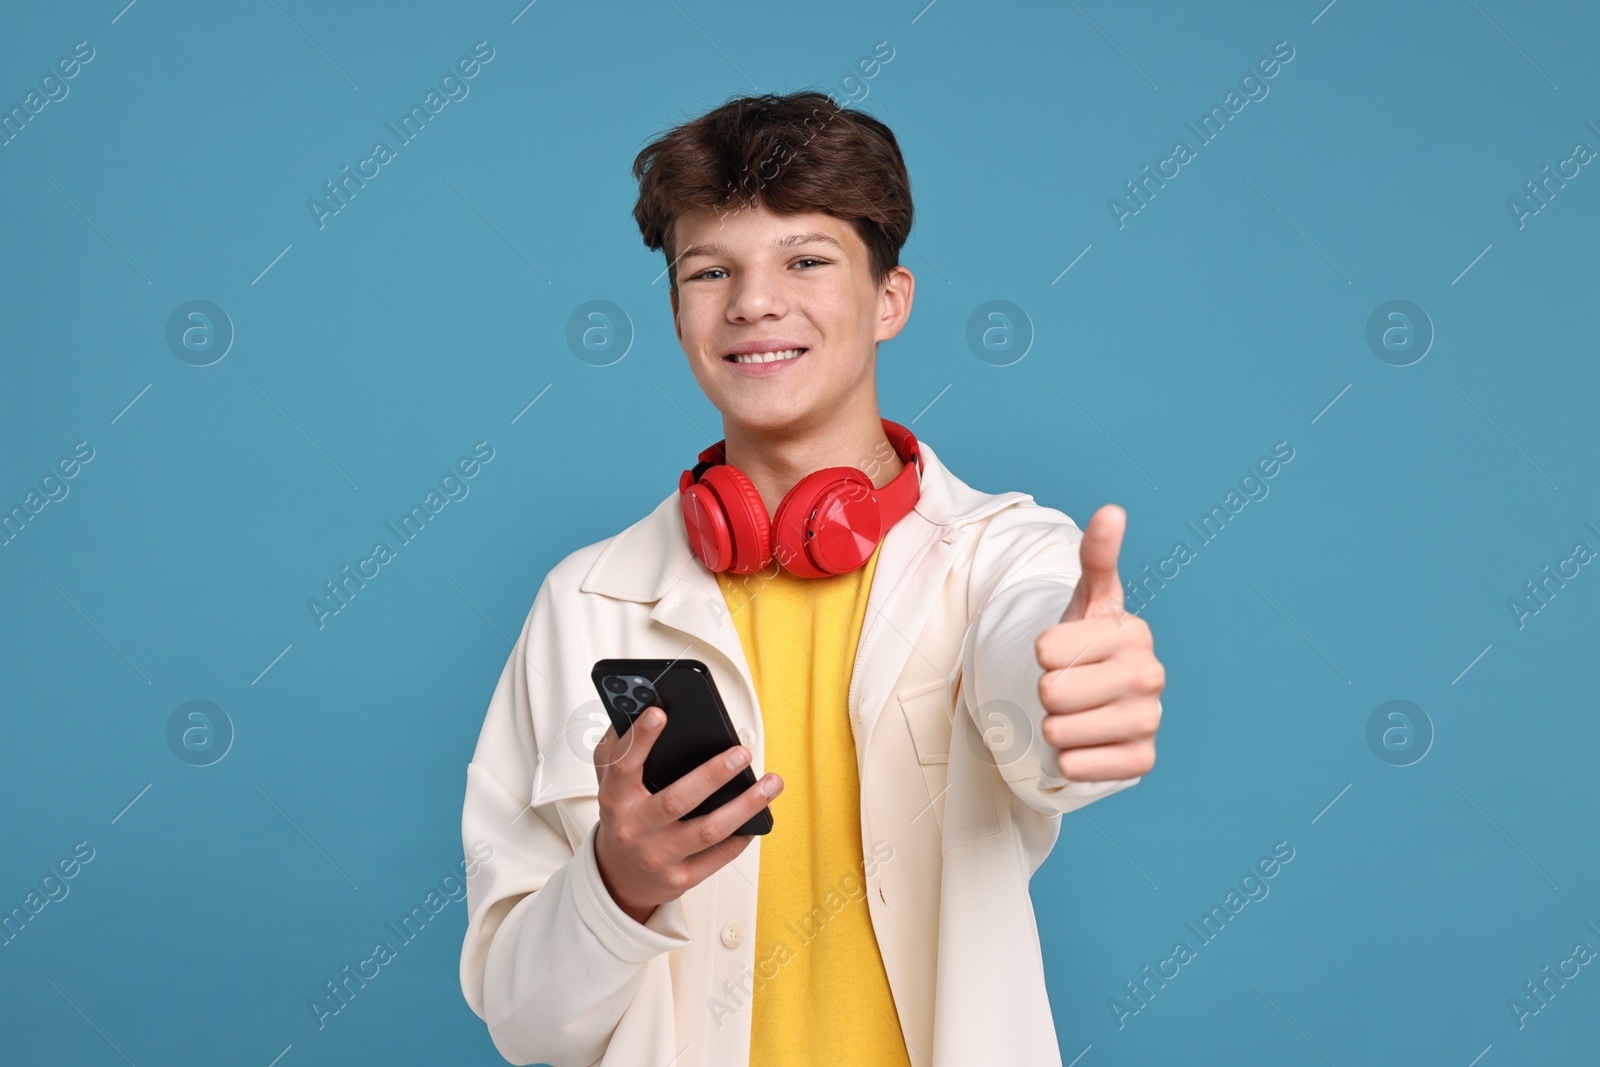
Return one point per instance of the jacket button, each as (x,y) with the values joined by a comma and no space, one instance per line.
(744,736)
(733,935)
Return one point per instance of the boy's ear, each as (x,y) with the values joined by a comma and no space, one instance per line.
(676,327)
(895,297)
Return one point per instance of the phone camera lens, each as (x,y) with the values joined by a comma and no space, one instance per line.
(644,695)
(616,685)
(624,705)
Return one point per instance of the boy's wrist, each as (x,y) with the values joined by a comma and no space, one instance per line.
(638,913)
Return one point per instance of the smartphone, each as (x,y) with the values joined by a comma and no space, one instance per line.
(698,726)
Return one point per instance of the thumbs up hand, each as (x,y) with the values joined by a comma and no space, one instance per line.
(1101,683)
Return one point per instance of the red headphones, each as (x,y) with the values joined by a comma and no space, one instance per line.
(829,523)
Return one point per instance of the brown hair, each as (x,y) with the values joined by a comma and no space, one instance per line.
(791,154)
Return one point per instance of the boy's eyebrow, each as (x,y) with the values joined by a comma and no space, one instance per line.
(716,248)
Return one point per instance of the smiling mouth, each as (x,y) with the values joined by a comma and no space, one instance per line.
(768,357)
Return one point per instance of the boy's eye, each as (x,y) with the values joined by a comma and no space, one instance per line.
(718,270)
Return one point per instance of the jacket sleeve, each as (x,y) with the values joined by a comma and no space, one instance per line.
(550,961)
(1023,576)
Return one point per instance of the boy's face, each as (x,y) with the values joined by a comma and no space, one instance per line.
(751,276)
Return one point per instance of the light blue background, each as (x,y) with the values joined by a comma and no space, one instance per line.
(1225,316)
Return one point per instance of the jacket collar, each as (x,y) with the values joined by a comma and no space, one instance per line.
(648,558)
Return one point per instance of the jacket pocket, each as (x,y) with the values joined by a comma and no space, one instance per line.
(927,712)
(564,777)
(578,815)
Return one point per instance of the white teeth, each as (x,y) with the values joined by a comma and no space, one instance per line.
(769,357)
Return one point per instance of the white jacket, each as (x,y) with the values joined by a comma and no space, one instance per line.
(964,585)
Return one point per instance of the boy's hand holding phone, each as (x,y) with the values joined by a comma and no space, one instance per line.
(647,853)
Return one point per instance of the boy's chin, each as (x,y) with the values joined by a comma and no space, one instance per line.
(772,413)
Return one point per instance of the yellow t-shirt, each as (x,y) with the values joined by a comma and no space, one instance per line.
(821,994)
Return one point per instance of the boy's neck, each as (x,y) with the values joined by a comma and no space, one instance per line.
(775,462)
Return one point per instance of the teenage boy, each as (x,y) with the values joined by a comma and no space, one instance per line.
(924,677)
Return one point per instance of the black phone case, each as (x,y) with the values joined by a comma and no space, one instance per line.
(698,728)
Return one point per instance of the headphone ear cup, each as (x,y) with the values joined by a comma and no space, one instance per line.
(849,527)
(745,518)
(844,533)
(707,527)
